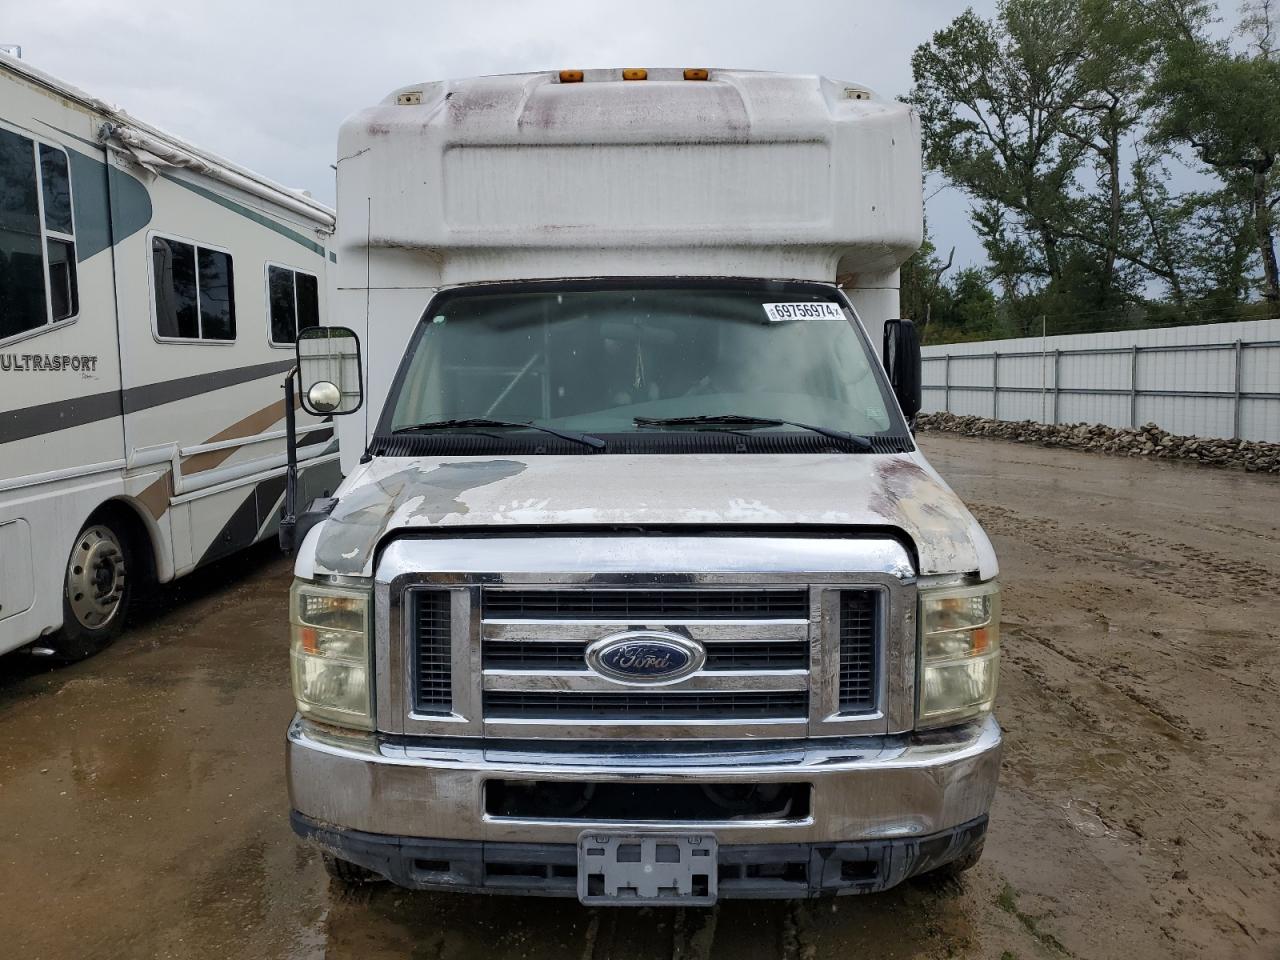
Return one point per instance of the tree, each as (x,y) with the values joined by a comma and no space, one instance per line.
(995,103)
(1225,106)
(922,290)
(1030,114)
(944,311)
(1064,122)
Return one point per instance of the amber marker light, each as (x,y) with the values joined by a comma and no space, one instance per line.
(570,76)
(635,73)
(309,640)
(981,642)
(696,73)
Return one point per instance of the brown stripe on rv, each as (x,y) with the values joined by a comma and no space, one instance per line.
(157,495)
(255,423)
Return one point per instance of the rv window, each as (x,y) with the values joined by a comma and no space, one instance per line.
(217,305)
(57,190)
(174,266)
(194,291)
(308,302)
(294,301)
(55,185)
(62,279)
(29,248)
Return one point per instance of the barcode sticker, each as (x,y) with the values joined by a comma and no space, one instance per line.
(814,310)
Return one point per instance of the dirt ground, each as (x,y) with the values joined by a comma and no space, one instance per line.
(143,808)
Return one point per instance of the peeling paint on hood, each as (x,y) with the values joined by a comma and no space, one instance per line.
(899,491)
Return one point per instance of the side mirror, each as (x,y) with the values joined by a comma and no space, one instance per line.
(901,356)
(329,371)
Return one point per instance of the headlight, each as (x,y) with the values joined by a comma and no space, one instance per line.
(329,653)
(959,653)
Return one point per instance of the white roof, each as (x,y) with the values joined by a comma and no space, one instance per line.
(211,163)
(524,176)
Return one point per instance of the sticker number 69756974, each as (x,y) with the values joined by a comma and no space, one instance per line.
(819,310)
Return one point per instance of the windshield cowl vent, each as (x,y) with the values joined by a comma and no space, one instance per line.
(668,443)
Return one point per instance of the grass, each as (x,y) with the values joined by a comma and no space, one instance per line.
(1007,900)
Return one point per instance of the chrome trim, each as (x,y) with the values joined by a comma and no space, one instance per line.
(863,788)
(724,681)
(469,565)
(703,631)
(778,728)
(642,561)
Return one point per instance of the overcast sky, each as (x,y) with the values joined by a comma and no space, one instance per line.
(266,83)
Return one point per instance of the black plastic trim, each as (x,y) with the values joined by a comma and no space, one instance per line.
(746,871)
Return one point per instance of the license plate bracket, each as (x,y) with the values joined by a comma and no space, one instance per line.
(642,869)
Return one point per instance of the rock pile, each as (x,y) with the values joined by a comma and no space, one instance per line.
(1145,441)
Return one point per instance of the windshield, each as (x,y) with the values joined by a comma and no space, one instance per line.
(597,360)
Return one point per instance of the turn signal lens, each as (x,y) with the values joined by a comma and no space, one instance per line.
(959,654)
(570,76)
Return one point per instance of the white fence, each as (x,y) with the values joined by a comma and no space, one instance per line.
(1209,380)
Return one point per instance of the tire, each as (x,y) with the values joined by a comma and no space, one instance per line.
(348,873)
(952,870)
(96,589)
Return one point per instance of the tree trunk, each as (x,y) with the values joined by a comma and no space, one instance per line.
(1111,133)
(1266,237)
(1049,243)
(1113,226)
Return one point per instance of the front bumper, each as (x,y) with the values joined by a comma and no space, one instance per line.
(745,870)
(864,790)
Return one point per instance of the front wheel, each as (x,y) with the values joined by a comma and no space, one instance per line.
(96,591)
(953,870)
(348,873)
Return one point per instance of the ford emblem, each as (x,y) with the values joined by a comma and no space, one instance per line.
(645,657)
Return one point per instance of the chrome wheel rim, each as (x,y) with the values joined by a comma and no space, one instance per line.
(95,577)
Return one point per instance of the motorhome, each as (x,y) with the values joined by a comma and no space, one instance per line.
(150,296)
(638,588)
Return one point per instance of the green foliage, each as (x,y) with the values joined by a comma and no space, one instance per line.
(1225,106)
(1062,121)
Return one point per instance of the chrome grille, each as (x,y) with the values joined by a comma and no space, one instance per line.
(857,651)
(631,604)
(647,706)
(534,645)
(433,651)
(721,655)
(805,637)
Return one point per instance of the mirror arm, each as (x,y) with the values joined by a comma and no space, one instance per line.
(289,513)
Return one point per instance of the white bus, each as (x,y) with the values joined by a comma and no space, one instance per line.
(150,297)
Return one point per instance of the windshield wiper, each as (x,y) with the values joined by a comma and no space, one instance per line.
(861,444)
(469,423)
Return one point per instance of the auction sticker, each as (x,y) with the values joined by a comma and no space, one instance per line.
(814,310)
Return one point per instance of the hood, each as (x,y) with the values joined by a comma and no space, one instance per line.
(899,491)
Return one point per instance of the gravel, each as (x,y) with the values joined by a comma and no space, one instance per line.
(1145,441)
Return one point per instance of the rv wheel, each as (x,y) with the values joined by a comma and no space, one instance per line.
(95,593)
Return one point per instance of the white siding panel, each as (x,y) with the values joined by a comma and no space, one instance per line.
(1184,390)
